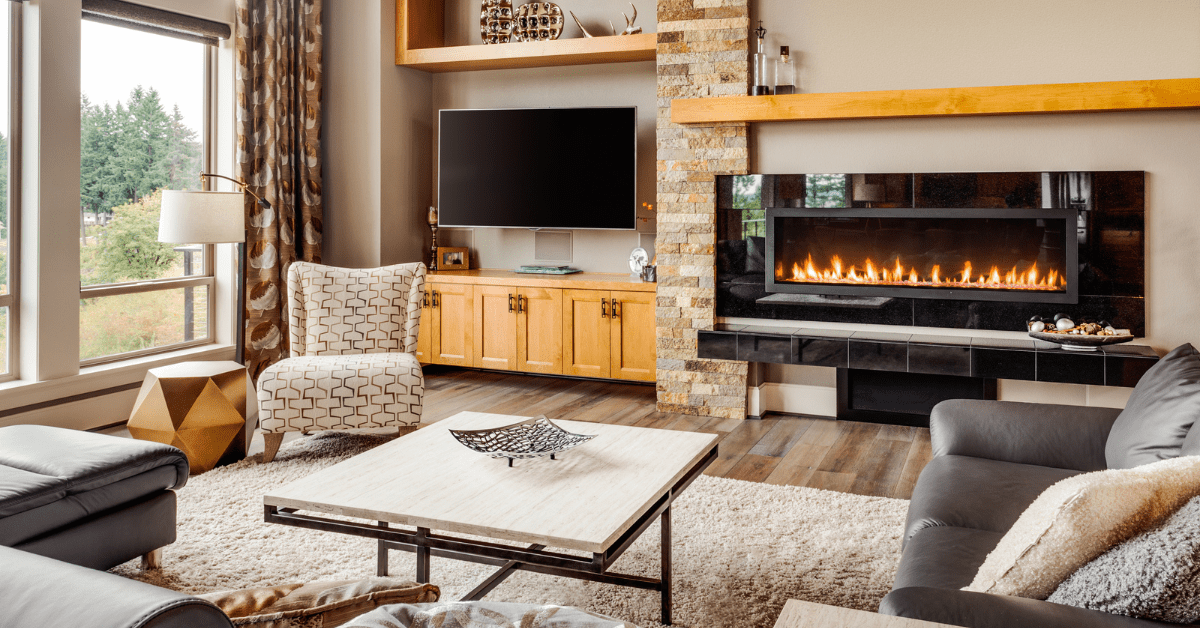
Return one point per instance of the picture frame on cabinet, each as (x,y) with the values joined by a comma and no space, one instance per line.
(454,258)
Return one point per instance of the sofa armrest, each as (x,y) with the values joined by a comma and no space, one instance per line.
(986,610)
(40,591)
(1048,435)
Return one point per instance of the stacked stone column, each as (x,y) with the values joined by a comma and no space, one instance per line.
(702,53)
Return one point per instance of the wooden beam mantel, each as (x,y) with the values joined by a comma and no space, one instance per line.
(954,101)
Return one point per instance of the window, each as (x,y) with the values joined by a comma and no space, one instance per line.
(144,115)
(10,119)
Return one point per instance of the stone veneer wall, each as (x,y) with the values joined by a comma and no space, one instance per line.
(702,52)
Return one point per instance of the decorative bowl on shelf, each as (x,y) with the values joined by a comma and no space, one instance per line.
(1080,342)
(533,438)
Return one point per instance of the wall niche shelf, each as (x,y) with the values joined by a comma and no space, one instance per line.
(420,44)
(955,101)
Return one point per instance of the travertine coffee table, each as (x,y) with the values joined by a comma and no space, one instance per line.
(597,498)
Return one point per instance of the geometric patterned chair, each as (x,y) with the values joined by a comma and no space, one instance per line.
(353,364)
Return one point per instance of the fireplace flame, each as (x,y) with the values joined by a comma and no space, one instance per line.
(871,274)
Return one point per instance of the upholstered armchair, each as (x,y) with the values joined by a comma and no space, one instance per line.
(353,364)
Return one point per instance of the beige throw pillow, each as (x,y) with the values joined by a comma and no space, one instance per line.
(1081,517)
(317,604)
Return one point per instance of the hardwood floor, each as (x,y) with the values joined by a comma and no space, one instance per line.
(862,458)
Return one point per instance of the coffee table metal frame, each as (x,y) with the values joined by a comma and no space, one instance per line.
(533,558)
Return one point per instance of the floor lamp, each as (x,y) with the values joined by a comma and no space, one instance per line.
(212,218)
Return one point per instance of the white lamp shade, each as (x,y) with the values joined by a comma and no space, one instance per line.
(202,217)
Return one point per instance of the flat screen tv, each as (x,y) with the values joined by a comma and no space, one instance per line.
(538,168)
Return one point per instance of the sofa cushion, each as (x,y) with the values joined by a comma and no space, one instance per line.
(70,509)
(977,493)
(1164,406)
(981,610)
(45,464)
(944,557)
(1155,575)
(1081,517)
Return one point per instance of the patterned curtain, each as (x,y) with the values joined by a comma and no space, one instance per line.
(279,78)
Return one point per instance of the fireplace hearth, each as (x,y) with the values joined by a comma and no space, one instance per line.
(965,250)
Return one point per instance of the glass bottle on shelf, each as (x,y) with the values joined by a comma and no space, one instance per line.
(785,73)
(760,87)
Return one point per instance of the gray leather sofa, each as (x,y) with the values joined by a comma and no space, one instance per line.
(991,459)
(84,498)
(42,592)
(75,503)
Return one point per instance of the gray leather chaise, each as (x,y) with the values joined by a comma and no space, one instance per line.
(74,503)
(40,592)
(991,459)
(84,498)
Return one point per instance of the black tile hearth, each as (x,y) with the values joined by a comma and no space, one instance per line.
(1004,363)
(876,353)
(940,359)
(1028,344)
(983,358)
(1124,365)
(821,352)
(717,345)
(1070,367)
(766,344)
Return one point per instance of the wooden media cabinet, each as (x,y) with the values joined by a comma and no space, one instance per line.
(585,324)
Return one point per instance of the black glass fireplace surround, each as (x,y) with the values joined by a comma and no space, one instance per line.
(962,250)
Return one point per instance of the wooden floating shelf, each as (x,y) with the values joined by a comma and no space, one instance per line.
(539,54)
(955,101)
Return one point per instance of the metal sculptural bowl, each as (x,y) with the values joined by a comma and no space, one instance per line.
(1080,342)
(533,438)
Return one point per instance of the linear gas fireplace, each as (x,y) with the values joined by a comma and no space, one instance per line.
(967,250)
(967,254)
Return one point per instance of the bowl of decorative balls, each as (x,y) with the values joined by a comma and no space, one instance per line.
(1086,336)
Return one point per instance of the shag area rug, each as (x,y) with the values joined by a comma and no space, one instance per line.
(740,550)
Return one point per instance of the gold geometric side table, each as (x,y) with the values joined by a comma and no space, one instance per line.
(199,407)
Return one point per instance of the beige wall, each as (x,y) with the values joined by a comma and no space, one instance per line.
(858,45)
(376,130)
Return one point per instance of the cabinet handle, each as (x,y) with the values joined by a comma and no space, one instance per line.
(616,309)
(435,298)
(424,299)
(520,304)
(510,303)
(603,308)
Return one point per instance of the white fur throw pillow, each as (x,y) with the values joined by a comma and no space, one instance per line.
(1155,575)
(1081,517)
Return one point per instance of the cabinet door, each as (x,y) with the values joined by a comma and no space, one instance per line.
(585,333)
(495,328)
(632,346)
(425,335)
(539,330)
(453,329)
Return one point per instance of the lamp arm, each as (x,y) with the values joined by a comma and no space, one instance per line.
(245,187)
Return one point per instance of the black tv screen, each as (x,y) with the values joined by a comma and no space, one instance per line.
(538,168)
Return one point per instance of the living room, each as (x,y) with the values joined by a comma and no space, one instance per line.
(200,424)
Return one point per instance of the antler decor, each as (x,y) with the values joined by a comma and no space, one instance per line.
(630,29)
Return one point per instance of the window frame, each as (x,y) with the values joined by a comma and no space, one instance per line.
(208,276)
(11,300)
